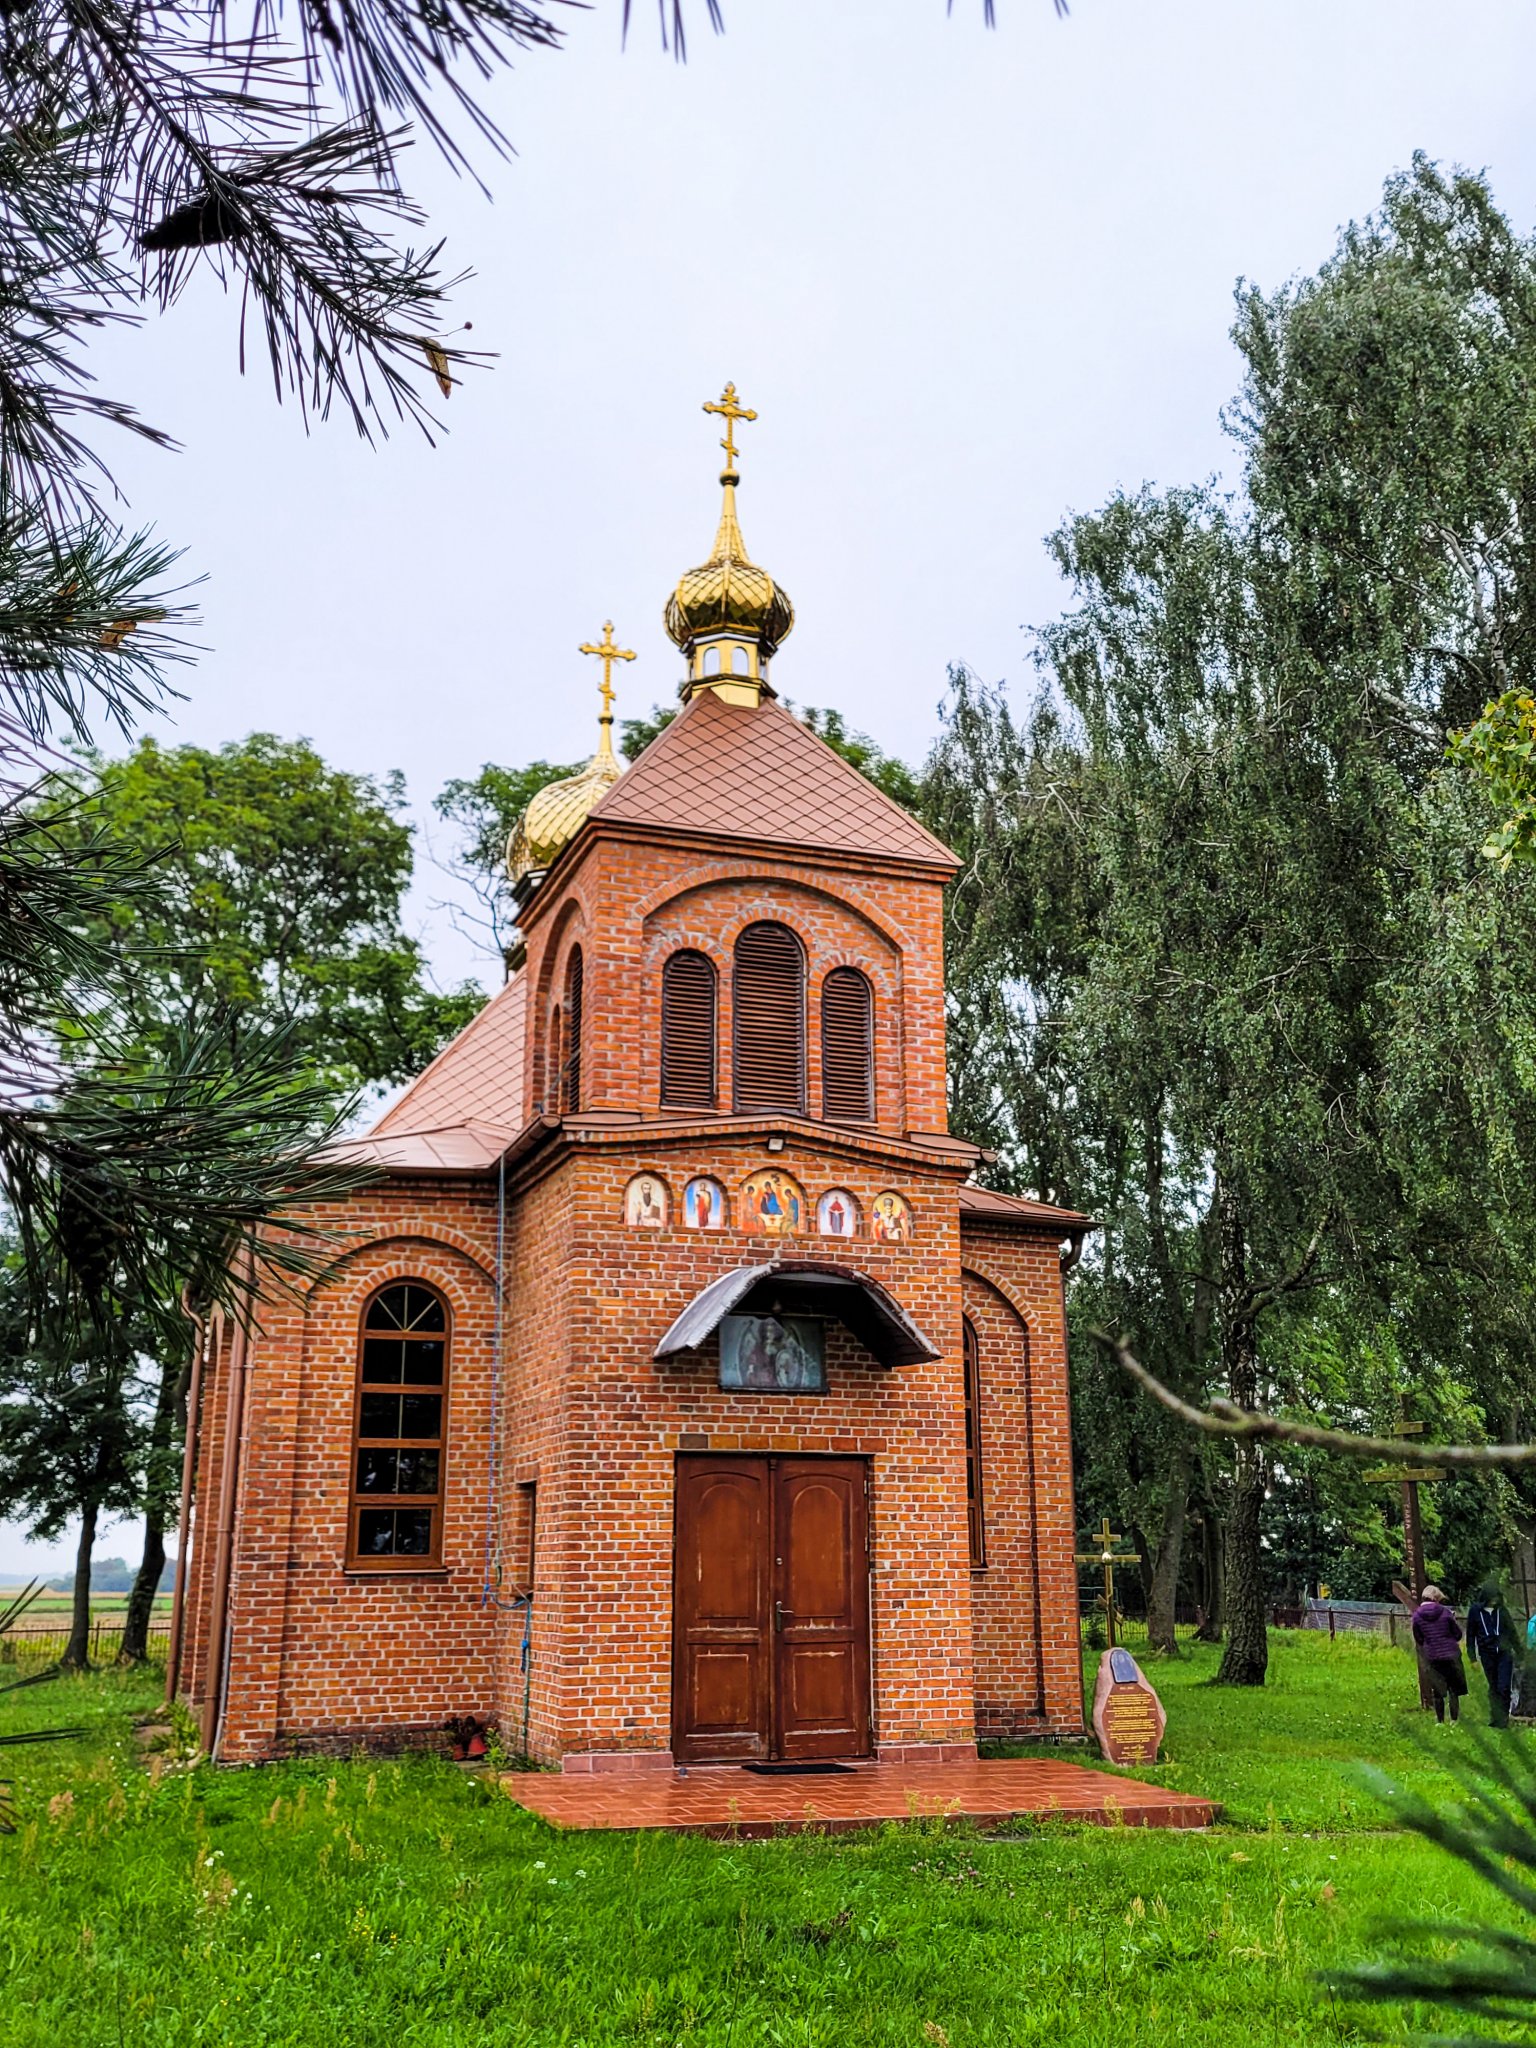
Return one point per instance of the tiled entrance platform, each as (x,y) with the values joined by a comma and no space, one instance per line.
(721,1799)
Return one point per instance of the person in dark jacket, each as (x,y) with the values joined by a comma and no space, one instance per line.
(1495,1643)
(1437,1633)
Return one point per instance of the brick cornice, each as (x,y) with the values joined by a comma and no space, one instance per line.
(828,859)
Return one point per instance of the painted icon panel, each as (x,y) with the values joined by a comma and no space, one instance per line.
(704,1204)
(890,1219)
(773,1354)
(837,1214)
(645,1202)
(773,1202)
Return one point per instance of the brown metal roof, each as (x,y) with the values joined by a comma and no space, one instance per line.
(755,772)
(466,1108)
(458,1148)
(1017,1209)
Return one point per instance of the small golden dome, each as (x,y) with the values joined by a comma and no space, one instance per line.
(558,813)
(729,592)
(560,809)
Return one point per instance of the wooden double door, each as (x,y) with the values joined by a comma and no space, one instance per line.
(770,1610)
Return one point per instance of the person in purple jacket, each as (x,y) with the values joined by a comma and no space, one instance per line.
(1437,1633)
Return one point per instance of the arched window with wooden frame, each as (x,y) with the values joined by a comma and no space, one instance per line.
(974,1504)
(768,1021)
(399,1430)
(570,1051)
(688,1004)
(847,1047)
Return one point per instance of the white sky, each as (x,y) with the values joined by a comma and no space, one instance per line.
(970,280)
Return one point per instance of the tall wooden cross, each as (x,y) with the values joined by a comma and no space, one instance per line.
(607,653)
(1107,1556)
(730,412)
(1409,1477)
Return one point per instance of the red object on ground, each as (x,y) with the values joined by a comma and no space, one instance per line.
(724,1800)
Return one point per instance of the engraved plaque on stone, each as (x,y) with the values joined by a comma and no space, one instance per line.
(1128,1716)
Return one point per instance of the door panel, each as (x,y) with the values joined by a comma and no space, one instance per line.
(721,1647)
(821,1690)
(771,1620)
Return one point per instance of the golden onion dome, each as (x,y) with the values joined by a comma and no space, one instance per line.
(554,817)
(729,592)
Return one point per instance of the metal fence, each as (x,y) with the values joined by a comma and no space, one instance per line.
(47,1646)
(1360,1617)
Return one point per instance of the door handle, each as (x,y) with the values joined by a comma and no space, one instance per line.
(778,1617)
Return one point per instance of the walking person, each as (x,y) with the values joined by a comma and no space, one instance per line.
(1437,1634)
(1493,1641)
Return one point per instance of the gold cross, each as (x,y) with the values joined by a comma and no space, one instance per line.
(730,412)
(1107,1556)
(607,653)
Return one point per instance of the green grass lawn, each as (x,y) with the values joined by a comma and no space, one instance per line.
(404,1904)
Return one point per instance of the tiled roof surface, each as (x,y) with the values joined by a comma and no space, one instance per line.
(476,1079)
(1014,1208)
(755,772)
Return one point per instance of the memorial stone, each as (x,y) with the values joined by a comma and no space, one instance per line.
(1128,1716)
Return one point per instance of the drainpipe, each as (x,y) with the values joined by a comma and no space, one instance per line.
(184,1517)
(218,1635)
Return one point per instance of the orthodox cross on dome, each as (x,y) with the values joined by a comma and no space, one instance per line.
(607,653)
(730,412)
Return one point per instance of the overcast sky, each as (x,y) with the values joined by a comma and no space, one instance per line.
(970,279)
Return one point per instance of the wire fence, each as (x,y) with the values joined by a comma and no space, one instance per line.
(47,1646)
(1131,1630)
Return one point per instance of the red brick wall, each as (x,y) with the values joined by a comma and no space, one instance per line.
(628,905)
(1024,1602)
(321,1654)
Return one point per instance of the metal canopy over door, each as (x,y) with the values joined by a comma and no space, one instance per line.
(771,1617)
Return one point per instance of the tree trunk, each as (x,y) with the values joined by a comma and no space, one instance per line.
(1213,1574)
(1245,1657)
(159,1494)
(141,1601)
(77,1654)
(1163,1593)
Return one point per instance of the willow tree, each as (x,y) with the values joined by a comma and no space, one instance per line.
(1239,977)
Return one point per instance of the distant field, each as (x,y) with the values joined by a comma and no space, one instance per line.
(41,1632)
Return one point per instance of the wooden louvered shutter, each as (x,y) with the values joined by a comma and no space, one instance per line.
(847,1048)
(688,1032)
(974,1504)
(570,1080)
(768,1036)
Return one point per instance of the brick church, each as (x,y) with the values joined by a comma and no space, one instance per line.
(671,1393)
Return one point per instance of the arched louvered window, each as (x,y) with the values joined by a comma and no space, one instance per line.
(768,1006)
(570,1069)
(975,1514)
(847,1048)
(397,1457)
(688,1032)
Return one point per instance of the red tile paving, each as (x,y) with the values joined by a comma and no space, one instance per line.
(725,1800)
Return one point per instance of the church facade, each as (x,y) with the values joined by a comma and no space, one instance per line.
(671,1394)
